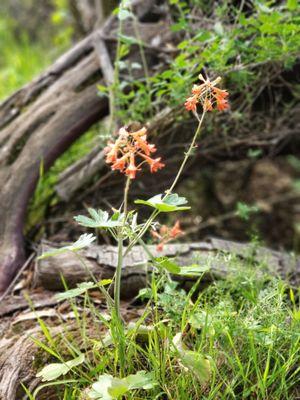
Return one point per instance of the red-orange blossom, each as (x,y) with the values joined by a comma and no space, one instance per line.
(129,146)
(208,95)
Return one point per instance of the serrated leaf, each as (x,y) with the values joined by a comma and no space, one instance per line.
(84,240)
(218,27)
(124,14)
(141,380)
(129,40)
(193,270)
(99,219)
(118,388)
(200,319)
(109,388)
(136,65)
(168,264)
(52,371)
(100,388)
(169,203)
(197,364)
(55,370)
(192,360)
(81,288)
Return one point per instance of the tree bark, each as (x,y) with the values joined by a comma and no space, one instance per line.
(101,261)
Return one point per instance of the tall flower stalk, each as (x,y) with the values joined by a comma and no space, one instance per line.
(129,153)
(130,146)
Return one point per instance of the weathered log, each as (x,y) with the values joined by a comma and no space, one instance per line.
(16,356)
(100,262)
(38,123)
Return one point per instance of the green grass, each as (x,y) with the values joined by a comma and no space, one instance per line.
(21,60)
(242,334)
(44,196)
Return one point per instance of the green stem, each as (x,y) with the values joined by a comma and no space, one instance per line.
(126,191)
(117,285)
(118,276)
(187,154)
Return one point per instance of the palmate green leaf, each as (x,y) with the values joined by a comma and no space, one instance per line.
(100,388)
(193,270)
(84,240)
(55,370)
(99,219)
(81,289)
(197,364)
(141,380)
(169,203)
(192,360)
(168,264)
(124,14)
(109,388)
(201,320)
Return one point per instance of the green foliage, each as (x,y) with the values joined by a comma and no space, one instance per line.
(81,289)
(235,339)
(44,195)
(100,219)
(194,361)
(109,388)
(54,371)
(84,240)
(237,46)
(20,59)
(62,21)
(168,203)
(244,211)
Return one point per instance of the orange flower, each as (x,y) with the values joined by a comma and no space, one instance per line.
(122,153)
(208,95)
(120,163)
(219,93)
(222,104)
(207,106)
(197,89)
(191,103)
(166,234)
(141,143)
(131,170)
(176,230)
(111,153)
(160,246)
(154,163)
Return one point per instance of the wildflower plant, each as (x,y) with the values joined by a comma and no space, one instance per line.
(128,154)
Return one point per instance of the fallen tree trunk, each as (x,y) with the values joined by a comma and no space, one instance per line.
(101,261)
(16,356)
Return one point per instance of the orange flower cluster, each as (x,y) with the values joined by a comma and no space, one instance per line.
(167,234)
(208,95)
(123,152)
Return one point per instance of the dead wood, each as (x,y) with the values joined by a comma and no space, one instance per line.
(100,262)
(16,356)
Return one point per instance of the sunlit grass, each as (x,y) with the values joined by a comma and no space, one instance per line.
(21,58)
(246,327)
